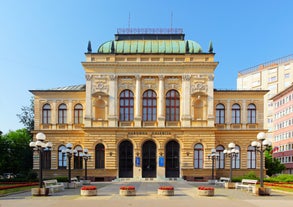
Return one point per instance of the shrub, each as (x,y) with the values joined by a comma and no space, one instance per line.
(280,178)
(62,179)
(249,175)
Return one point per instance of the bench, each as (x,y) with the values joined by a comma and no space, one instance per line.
(222,181)
(53,186)
(76,181)
(247,184)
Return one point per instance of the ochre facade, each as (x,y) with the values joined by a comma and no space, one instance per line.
(160,136)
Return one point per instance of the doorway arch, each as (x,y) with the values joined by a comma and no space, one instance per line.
(125,159)
(172,152)
(149,164)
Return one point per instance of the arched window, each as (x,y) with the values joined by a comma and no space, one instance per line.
(236,114)
(220,163)
(220,114)
(149,106)
(251,114)
(62,162)
(198,156)
(77,157)
(46,114)
(236,160)
(198,110)
(251,157)
(62,114)
(172,106)
(100,156)
(78,114)
(126,105)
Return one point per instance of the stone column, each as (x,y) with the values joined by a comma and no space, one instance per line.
(113,116)
(137,102)
(161,102)
(185,117)
(88,101)
(210,101)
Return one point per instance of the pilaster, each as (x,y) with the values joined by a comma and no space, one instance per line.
(113,116)
(161,102)
(88,101)
(186,118)
(137,111)
(210,100)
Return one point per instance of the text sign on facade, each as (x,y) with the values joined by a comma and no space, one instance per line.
(161,161)
(137,161)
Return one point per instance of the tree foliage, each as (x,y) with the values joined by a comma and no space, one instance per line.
(16,155)
(26,117)
(273,165)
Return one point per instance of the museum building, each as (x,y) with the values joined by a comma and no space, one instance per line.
(149,110)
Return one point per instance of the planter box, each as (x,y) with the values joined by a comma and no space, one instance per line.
(165,192)
(230,185)
(40,191)
(262,191)
(127,192)
(206,192)
(88,192)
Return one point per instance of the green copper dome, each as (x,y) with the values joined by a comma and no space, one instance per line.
(150,47)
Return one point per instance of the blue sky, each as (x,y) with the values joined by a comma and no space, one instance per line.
(42,43)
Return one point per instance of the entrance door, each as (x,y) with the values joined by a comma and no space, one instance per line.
(125,160)
(149,165)
(172,159)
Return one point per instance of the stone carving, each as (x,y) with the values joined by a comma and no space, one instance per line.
(186,77)
(88,77)
(199,87)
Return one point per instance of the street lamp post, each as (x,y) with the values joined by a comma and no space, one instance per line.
(39,146)
(86,156)
(213,156)
(232,153)
(261,146)
(68,151)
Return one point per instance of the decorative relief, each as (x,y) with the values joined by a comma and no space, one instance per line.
(173,83)
(149,83)
(126,83)
(113,77)
(186,77)
(199,87)
(100,84)
(88,77)
(211,77)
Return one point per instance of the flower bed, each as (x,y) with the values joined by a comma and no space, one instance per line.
(166,190)
(127,191)
(205,191)
(88,190)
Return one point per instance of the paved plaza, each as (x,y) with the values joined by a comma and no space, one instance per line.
(146,196)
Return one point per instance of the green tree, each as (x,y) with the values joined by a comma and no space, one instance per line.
(26,117)
(273,165)
(16,155)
